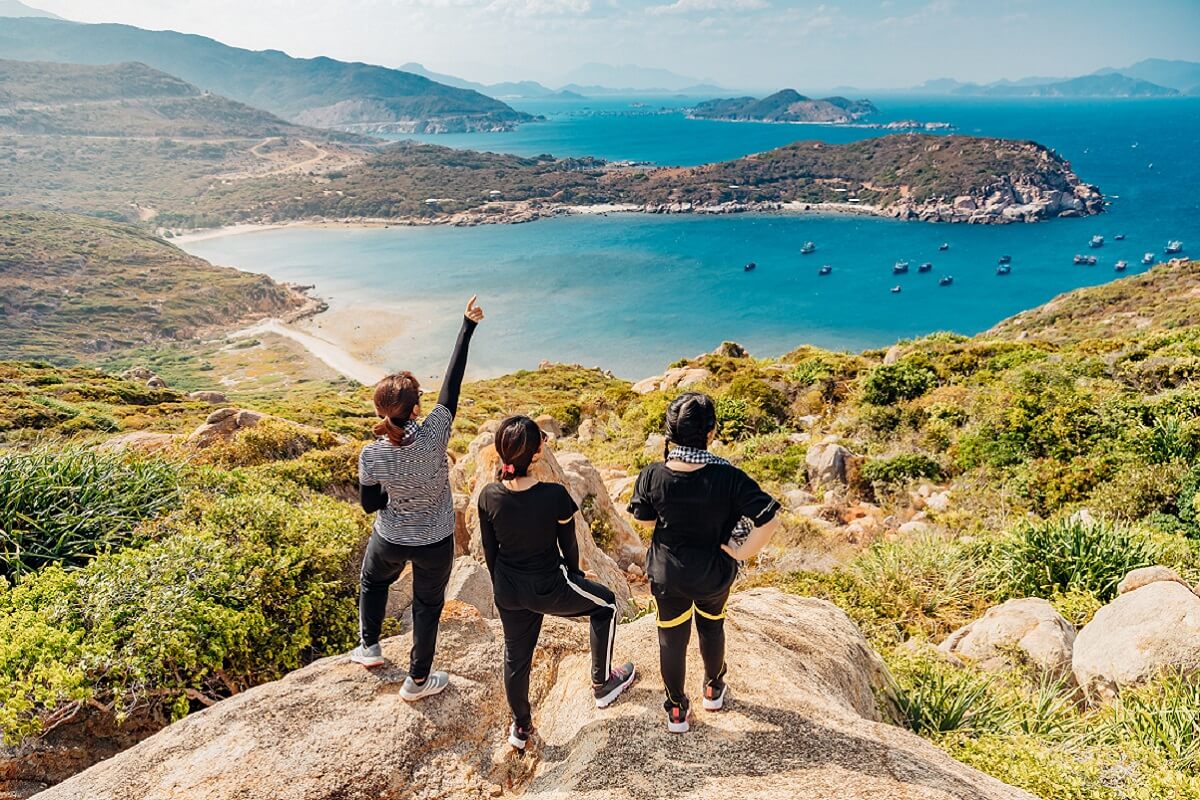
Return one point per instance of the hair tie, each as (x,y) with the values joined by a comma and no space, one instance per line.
(508,469)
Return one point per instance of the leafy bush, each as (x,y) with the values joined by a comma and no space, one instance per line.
(1163,716)
(890,383)
(901,468)
(931,697)
(64,506)
(236,589)
(269,440)
(1065,555)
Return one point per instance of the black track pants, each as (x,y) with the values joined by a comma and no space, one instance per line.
(523,600)
(382,565)
(675,613)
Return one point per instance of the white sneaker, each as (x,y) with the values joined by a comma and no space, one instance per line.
(714,698)
(434,684)
(678,718)
(367,656)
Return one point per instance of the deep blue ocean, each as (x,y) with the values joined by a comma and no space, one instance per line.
(632,293)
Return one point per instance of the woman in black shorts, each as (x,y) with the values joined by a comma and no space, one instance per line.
(697,501)
(528,533)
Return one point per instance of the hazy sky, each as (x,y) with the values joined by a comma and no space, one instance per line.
(739,43)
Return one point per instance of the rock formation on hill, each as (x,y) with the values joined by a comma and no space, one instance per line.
(801,724)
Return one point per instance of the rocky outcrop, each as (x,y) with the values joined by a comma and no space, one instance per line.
(212,398)
(1029,628)
(1148,575)
(478,468)
(1136,637)
(139,442)
(223,424)
(827,462)
(801,724)
(608,525)
(144,376)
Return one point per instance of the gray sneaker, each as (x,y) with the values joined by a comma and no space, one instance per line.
(367,656)
(435,683)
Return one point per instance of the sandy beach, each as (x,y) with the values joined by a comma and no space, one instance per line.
(328,352)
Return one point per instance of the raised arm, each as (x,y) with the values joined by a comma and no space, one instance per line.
(452,383)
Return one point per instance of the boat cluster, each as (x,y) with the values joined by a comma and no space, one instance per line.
(1173,247)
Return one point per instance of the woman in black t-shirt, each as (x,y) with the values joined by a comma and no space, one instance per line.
(696,501)
(528,533)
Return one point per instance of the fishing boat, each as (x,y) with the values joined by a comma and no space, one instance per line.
(1120,266)
(1091,260)
(900,267)
(926,267)
(1174,246)
(808,247)
(1147,258)
(1005,260)
(945,280)
(1096,241)
(749,267)
(825,270)
(1120,237)
(1080,259)
(895,290)
(1003,269)
(944,246)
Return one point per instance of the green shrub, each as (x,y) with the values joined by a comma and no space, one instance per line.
(236,589)
(1066,555)
(929,696)
(901,468)
(269,440)
(1163,716)
(64,506)
(890,383)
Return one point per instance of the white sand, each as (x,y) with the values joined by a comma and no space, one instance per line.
(325,351)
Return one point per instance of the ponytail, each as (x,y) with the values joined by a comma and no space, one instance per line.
(395,398)
(518,440)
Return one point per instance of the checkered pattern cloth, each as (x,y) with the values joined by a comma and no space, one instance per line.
(694,455)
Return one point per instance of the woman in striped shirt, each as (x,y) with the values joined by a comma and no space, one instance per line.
(405,476)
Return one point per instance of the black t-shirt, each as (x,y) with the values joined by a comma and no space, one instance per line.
(528,531)
(694,513)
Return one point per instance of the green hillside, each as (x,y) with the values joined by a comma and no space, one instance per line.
(72,288)
(319,91)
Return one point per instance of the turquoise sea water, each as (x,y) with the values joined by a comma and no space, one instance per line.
(633,293)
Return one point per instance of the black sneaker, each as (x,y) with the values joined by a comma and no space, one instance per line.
(677,717)
(618,681)
(518,737)
(714,695)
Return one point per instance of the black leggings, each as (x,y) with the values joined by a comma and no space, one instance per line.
(523,600)
(675,612)
(382,565)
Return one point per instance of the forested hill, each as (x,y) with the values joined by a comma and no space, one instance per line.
(317,91)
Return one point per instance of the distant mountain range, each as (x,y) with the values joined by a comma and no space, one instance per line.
(1181,75)
(787,105)
(1150,78)
(15,8)
(505,89)
(632,78)
(321,92)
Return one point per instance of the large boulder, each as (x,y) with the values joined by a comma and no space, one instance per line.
(590,493)
(827,462)
(478,468)
(1136,637)
(139,442)
(1028,626)
(801,724)
(222,425)
(1146,576)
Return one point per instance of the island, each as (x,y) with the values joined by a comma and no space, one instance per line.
(786,105)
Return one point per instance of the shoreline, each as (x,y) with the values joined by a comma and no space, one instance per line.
(521,212)
(334,356)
